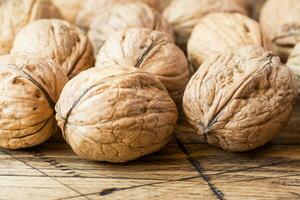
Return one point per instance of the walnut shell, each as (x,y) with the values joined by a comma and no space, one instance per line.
(294,63)
(91,8)
(115,115)
(150,51)
(59,40)
(241,99)
(68,8)
(16,14)
(122,17)
(30,87)
(219,32)
(183,15)
(281,25)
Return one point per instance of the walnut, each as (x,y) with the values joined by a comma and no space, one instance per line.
(68,8)
(294,63)
(136,116)
(256,6)
(30,87)
(91,8)
(122,17)
(16,14)
(241,99)
(281,25)
(149,51)
(59,40)
(219,32)
(183,15)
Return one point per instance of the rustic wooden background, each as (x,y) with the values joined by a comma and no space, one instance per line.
(182,170)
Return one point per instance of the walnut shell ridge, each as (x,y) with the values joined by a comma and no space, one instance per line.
(241,99)
(58,40)
(219,32)
(183,15)
(30,87)
(123,16)
(294,63)
(16,14)
(115,114)
(281,25)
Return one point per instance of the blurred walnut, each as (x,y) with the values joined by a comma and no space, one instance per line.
(256,6)
(183,15)
(149,51)
(122,17)
(280,21)
(16,14)
(294,63)
(135,115)
(91,8)
(219,32)
(241,99)
(30,87)
(69,8)
(59,40)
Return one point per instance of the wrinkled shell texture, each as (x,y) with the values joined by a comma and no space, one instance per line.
(122,17)
(294,63)
(281,25)
(219,32)
(69,8)
(240,100)
(59,40)
(30,87)
(91,8)
(183,15)
(16,14)
(136,116)
(149,51)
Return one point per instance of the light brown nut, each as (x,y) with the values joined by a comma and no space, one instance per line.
(241,99)
(16,14)
(122,17)
(149,51)
(69,8)
(183,15)
(30,87)
(280,23)
(91,8)
(59,40)
(219,32)
(294,63)
(115,115)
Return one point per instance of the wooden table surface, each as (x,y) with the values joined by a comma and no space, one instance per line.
(182,170)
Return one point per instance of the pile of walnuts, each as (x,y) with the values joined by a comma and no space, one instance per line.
(115,76)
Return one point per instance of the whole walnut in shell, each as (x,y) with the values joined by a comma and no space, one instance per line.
(183,15)
(30,87)
(59,40)
(69,8)
(115,114)
(280,21)
(219,32)
(241,99)
(149,51)
(91,8)
(122,17)
(294,63)
(16,14)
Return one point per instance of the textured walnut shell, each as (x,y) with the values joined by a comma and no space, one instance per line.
(122,17)
(91,8)
(16,14)
(219,32)
(30,87)
(59,40)
(241,99)
(281,25)
(294,63)
(69,8)
(149,51)
(183,15)
(115,115)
